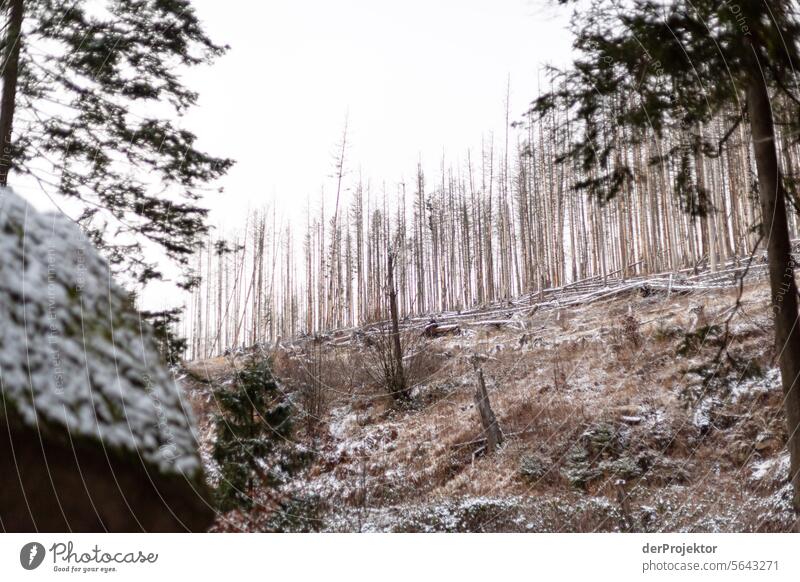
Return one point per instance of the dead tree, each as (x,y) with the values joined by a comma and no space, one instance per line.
(494,436)
(398,381)
(485,233)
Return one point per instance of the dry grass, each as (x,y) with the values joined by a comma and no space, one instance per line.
(606,371)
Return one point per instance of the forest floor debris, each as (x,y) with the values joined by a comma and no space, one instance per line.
(617,415)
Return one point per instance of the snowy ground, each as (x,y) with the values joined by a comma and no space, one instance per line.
(616,417)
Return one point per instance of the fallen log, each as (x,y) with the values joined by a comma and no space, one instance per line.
(434,330)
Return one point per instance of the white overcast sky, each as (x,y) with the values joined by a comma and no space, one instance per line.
(416,78)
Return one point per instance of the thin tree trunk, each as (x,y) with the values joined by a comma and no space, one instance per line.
(781,266)
(399,383)
(8,100)
(494,436)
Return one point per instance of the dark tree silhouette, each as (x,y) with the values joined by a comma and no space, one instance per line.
(91,99)
(660,66)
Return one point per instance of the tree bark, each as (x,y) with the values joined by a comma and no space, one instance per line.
(10,74)
(781,265)
(494,436)
(399,387)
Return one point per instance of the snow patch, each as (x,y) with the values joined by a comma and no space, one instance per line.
(771,381)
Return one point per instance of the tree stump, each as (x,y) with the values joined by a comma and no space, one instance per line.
(494,436)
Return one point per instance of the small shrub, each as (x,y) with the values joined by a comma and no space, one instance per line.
(665,331)
(630,330)
(171,347)
(626,337)
(599,451)
(578,469)
(533,467)
(314,388)
(382,365)
(252,427)
(559,371)
(298,514)
(693,341)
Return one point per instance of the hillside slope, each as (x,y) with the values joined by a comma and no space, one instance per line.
(623,413)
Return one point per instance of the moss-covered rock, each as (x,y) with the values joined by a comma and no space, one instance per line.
(82,379)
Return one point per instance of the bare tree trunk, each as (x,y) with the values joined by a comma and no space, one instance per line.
(781,265)
(494,436)
(10,73)
(399,382)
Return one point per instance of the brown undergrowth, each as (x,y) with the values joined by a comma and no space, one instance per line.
(624,416)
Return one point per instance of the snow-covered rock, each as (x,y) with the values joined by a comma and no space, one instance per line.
(78,368)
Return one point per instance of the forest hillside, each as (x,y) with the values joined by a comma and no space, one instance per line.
(652,404)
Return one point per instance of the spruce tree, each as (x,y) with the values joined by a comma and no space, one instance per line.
(252,427)
(647,66)
(170,345)
(90,109)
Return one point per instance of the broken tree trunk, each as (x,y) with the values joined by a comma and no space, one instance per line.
(398,382)
(434,330)
(494,436)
